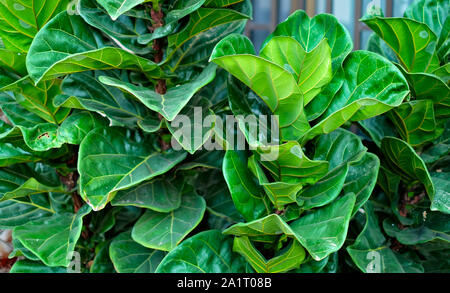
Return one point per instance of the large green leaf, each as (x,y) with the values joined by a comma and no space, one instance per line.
(275,85)
(288,259)
(172,102)
(403,160)
(413,42)
(20,20)
(53,239)
(378,127)
(102,262)
(247,195)
(312,70)
(270,225)
(372,86)
(83,90)
(431,12)
(324,231)
(114,159)
(116,8)
(124,31)
(371,252)
(310,32)
(26,266)
(13,62)
(160,194)
(164,231)
(206,252)
(415,121)
(67,45)
(129,256)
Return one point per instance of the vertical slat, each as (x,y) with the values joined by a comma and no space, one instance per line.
(330,6)
(311,7)
(357,27)
(274,16)
(389,8)
(296,5)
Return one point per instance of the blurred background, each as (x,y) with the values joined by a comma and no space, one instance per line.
(268,13)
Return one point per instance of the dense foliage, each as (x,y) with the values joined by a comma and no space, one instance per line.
(97,174)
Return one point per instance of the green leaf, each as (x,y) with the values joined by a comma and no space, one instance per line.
(75,128)
(362,178)
(378,127)
(160,194)
(201,20)
(372,86)
(21,20)
(312,70)
(164,231)
(413,42)
(371,253)
(377,45)
(403,160)
(173,101)
(273,84)
(39,98)
(206,252)
(431,12)
(287,260)
(271,225)
(435,226)
(68,45)
(23,180)
(83,90)
(13,62)
(13,214)
(53,239)
(325,190)
(328,146)
(29,266)
(245,192)
(331,236)
(130,257)
(176,12)
(111,160)
(11,155)
(124,31)
(287,163)
(310,32)
(102,261)
(415,121)
(441,199)
(116,8)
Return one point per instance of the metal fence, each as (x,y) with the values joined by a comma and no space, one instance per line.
(268,13)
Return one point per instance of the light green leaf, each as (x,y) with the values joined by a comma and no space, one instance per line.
(310,32)
(112,159)
(288,259)
(13,213)
(441,199)
(116,8)
(431,12)
(164,231)
(21,20)
(312,70)
(29,266)
(273,84)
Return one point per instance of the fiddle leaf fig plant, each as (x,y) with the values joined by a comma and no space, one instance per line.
(412,142)
(149,136)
